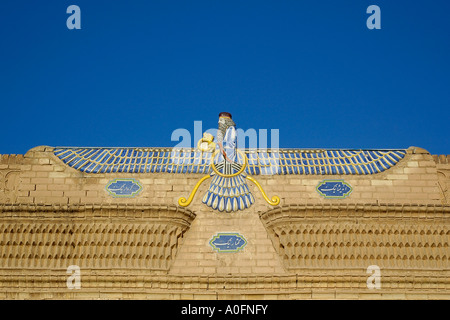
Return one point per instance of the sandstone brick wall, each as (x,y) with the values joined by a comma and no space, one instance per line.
(196,256)
(52,216)
(40,177)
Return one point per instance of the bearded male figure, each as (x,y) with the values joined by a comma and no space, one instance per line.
(228,190)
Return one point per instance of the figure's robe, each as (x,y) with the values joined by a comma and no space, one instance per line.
(228,193)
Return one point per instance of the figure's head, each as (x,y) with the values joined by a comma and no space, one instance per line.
(225,118)
(225,122)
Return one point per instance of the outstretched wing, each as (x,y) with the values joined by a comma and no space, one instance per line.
(260,162)
(135,160)
(324,162)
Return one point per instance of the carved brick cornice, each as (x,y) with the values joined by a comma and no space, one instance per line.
(125,280)
(387,211)
(355,236)
(104,236)
(98,211)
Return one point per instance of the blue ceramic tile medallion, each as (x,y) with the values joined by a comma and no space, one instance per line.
(124,188)
(228,242)
(334,189)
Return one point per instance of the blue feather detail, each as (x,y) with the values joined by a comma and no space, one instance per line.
(228,194)
(268,162)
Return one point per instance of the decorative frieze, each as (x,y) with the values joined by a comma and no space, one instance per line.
(388,236)
(104,236)
(9,182)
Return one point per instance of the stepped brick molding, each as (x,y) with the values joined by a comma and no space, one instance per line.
(126,284)
(353,236)
(103,236)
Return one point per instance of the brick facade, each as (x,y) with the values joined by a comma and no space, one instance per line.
(146,246)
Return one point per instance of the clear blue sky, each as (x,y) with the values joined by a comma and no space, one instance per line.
(137,70)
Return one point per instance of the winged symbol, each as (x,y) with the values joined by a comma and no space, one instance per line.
(228,190)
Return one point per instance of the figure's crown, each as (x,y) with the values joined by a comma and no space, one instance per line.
(225,115)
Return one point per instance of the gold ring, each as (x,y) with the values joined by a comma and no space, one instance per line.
(211,145)
(213,166)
